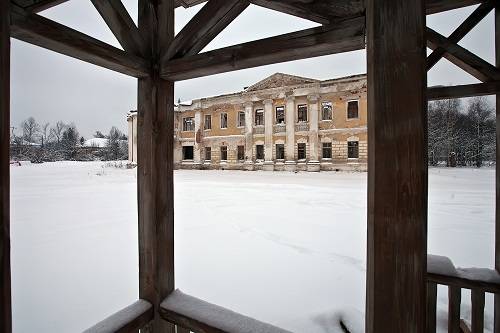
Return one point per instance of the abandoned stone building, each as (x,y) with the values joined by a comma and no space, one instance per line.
(283,122)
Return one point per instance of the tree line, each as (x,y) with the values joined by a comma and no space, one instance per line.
(462,133)
(61,141)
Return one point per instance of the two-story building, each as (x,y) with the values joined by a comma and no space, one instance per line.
(283,122)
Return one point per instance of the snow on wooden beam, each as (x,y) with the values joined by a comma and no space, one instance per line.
(130,319)
(200,316)
(344,36)
(38,30)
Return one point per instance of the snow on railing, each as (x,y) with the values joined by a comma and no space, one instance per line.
(440,270)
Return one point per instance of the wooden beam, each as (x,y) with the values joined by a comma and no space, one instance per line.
(477,317)
(128,320)
(397,167)
(121,24)
(466,60)
(461,31)
(431,307)
(497,171)
(36,6)
(347,35)
(200,316)
(5,273)
(155,177)
(462,91)
(204,27)
(454,300)
(38,30)
(437,6)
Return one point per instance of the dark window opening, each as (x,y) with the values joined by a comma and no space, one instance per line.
(223,153)
(241,119)
(302,113)
(259,117)
(208,122)
(223,120)
(352,110)
(280,115)
(259,152)
(353,149)
(188,124)
(241,153)
(208,154)
(326,111)
(327,150)
(301,151)
(280,152)
(187,153)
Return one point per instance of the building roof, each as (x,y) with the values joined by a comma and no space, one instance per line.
(278,80)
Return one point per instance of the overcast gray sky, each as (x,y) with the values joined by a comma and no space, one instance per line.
(52,87)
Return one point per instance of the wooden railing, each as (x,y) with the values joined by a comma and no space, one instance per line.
(441,271)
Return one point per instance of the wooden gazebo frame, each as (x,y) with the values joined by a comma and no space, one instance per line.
(401,294)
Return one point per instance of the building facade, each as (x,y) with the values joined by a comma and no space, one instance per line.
(282,123)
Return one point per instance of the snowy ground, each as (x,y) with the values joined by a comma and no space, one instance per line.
(288,249)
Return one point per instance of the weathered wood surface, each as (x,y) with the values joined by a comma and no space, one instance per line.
(477,318)
(347,35)
(454,299)
(203,317)
(38,30)
(437,6)
(155,163)
(431,307)
(462,30)
(497,170)
(466,90)
(5,274)
(204,27)
(464,327)
(38,5)
(121,24)
(397,167)
(463,58)
(129,320)
(320,11)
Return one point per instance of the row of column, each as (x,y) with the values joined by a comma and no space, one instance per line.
(290,112)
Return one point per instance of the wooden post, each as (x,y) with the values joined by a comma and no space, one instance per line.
(155,162)
(5,294)
(397,167)
(497,173)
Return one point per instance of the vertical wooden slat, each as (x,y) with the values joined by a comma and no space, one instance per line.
(454,299)
(431,307)
(397,172)
(477,297)
(182,330)
(497,202)
(5,277)
(155,162)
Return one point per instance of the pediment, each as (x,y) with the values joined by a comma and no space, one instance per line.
(279,80)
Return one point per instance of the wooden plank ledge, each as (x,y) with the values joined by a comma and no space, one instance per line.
(442,271)
(130,319)
(203,317)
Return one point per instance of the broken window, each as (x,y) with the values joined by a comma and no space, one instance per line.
(259,154)
(280,151)
(259,117)
(353,149)
(326,111)
(352,109)
(241,119)
(280,115)
(208,122)
(241,153)
(188,124)
(327,150)
(223,120)
(208,153)
(187,153)
(223,153)
(301,151)
(302,113)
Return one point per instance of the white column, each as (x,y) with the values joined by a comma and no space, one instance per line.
(198,141)
(130,122)
(290,164)
(268,122)
(249,136)
(313,164)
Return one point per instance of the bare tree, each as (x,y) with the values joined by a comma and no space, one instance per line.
(481,130)
(30,129)
(45,134)
(58,130)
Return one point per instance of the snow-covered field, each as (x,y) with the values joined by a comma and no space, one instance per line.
(288,249)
